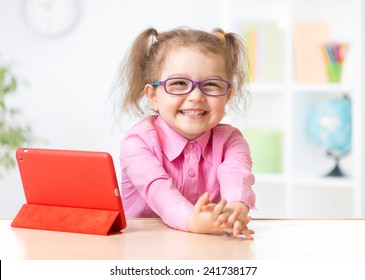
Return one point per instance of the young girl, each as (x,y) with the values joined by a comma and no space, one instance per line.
(180,163)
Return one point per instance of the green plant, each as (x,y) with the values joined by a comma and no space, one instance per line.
(13,134)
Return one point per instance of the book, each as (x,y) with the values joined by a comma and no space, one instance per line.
(266,147)
(265,42)
(309,62)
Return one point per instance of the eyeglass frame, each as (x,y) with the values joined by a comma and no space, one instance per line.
(193,84)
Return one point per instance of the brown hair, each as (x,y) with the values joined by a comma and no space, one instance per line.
(148,52)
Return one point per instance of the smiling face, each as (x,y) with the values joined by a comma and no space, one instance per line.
(191,114)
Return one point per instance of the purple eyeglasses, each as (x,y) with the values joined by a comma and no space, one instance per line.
(180,86)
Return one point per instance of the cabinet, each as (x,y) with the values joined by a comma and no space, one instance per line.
(283,103)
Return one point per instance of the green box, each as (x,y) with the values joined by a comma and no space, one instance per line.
(266,149)
(334,71)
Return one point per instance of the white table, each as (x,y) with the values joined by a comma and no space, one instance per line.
(275,239)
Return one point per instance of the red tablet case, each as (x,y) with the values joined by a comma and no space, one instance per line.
(73,191)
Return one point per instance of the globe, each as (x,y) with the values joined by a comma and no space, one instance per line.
(330,127)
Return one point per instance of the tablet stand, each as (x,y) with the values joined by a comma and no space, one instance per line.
(69,219)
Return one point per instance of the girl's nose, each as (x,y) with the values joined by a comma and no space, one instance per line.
(196,94)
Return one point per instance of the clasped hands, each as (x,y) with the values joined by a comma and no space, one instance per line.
(220,218)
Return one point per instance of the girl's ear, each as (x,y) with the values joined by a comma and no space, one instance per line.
(150,92)
(229,94)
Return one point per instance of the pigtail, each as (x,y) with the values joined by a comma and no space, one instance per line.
(239,65)
(134,72)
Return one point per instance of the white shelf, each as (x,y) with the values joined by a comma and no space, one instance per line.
(285,105)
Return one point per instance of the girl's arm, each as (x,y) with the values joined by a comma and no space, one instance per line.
(144,170)
(236,180)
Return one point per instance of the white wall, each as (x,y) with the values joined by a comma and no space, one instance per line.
(69,77)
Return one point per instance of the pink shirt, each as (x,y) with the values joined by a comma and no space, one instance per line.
(164,174)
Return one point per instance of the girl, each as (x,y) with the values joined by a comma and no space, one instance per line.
(180,163)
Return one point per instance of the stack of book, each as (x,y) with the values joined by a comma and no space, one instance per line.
(265,48)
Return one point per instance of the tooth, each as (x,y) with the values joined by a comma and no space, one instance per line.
(193,113)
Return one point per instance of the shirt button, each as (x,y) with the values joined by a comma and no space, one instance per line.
(190,146)
(191,173)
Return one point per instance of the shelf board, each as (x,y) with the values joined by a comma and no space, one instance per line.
(267,88)
(330,182)
(281,88)
(303,181)
(325,87)
(270,178)
(297,87)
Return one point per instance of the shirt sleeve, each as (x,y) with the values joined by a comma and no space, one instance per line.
(141,163)
(235,172)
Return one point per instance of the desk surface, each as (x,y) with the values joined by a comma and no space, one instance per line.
(152,239)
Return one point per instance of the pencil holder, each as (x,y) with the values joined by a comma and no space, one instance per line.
(334,72)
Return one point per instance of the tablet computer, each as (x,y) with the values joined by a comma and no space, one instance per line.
(70,178)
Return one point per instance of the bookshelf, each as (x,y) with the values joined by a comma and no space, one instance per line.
(283,102)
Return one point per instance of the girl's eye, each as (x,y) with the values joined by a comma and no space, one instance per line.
(178,83)
(211,84)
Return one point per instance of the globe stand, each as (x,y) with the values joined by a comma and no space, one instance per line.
(336,171)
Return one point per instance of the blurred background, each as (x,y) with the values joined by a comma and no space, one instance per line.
(65,57)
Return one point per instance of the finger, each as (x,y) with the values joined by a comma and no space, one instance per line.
(248,233)
(208,207)
(218,209)
(234,217)
(238,227)
(222,219)
(203,200)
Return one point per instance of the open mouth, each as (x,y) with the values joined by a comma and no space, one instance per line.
(193,113)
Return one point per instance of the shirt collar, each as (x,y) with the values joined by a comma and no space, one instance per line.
(173,143)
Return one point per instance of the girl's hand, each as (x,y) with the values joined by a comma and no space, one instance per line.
(219,218)
(239,223)
(235,216)
(203,221)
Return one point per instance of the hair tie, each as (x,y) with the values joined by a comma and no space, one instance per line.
(219,35)
(153,39)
